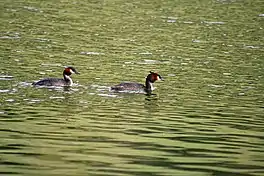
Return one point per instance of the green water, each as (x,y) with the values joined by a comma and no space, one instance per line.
(206,118)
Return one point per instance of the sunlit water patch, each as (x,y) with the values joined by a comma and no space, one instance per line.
(32,9)
(91,53)
(51,64)
(6,77)
(213,22)
(4,90)
(9,35)
(206,118)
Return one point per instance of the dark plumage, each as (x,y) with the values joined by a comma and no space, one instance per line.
(137,87)
(66,81)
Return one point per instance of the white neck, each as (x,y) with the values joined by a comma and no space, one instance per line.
(151,86)
(68,78)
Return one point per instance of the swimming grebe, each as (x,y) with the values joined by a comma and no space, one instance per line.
(136,87)
(66,81)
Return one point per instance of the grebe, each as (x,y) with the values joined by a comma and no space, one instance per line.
(66,81)
(137,87)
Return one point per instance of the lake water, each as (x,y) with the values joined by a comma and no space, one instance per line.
(206,118)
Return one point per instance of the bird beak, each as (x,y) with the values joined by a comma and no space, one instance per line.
(161,78)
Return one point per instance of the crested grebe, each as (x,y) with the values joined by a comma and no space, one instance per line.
(65,81)
(137,87)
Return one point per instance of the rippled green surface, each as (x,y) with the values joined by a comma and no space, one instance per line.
(205,119)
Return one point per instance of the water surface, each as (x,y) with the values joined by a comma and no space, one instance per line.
(205,119)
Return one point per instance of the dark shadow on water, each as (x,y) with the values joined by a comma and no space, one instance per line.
(13,163)
(66,88)
(10,173)
(152,103)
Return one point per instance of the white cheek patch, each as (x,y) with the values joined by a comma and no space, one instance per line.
(71,71)
(158,78)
